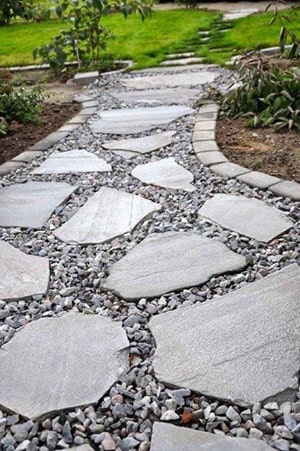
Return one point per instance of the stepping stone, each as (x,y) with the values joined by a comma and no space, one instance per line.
(167,437)
(242,346)
(72,162)
(129,148)
(134,120)
(107,214)
(182,61)
(160,96)
(166,173)
(170,261)
(21,275)
(31,204)
(171,80)
(239,13)
(173,56)
(250,217)
(56,364)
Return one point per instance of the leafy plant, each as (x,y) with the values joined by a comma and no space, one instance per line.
(19,104)
(267,96)
(86,37)
(10,9)
(286,34)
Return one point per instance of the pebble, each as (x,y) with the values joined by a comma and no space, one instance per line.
(169,415)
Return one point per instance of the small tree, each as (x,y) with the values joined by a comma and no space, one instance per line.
(86,36)
(10,9)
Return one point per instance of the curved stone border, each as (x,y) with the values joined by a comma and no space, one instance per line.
(207,151)
(88,108)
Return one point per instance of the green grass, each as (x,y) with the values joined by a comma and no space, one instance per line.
(144,42)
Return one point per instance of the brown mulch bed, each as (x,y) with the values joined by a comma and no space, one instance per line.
(260,149)
(22,136)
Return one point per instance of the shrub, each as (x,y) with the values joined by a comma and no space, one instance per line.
(10,9)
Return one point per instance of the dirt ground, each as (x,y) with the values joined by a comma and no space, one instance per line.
(260,149)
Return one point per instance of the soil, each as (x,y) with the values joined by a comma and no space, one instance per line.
(260,149)
(21,136)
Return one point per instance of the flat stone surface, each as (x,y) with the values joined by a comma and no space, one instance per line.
(167,437)
(244,344)
(205,146)
(31,204)
(208,158)
(8,166)
(205,125)
(107,214)
(27,156)
(55,364)
(182,61)
(172,56)
(72,162)
(157,96)
(84,78)
(171,80)
(21,275)
(81,448)
(228,169)
(258,179)
(50,140)
(166,173)
(68,128)
(79,119)
(250,217)
(204,135)
(129,148)
(287,189)
(208,108)
(134,120)
(170,261)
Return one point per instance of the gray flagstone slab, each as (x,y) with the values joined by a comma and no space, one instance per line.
(171,80)
(250,217)
(129,148)
(167,437)
(31,204)
(242,346)
(55,364)
(134,120)
(72,162)
(153,96)
(21,275)
(166,173)
(170,261)
(107,214)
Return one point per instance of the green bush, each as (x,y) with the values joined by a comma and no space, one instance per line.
(268,96)
(10,9)
(19,104)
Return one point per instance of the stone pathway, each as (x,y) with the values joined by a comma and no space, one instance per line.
(149,288)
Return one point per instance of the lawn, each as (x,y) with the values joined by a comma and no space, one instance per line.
(147,42)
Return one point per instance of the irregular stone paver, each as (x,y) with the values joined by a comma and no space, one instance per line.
(60,363)
(172,80)
(166,173)
(170,261)
(154,96)
(21,275)
(244,344)
(107,214)
(129,148)
(167,437)
(258,179)
(287,189)
(228,169)
(250,217)
(31,204)
(134,120)
(72,162)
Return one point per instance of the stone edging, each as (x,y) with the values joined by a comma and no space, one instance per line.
(208,152)
(88,108)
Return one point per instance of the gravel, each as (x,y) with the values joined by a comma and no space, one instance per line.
(124,417)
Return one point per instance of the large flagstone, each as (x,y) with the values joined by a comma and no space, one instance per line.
(129,148)
(170,261)
(170,80)
(153,96)
(107,214)
(56,364)
(21,275)
(134,120)
(243,346)
(72,162)
(31,204)
(250,217)
(166,173)
(167,437)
